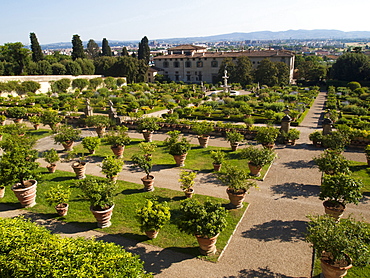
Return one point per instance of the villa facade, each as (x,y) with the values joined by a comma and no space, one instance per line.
(193,64)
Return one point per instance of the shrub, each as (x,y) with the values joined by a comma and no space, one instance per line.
(99,192)
(60,257)
(235,178)
(91,143)
(57,195)
(153,216)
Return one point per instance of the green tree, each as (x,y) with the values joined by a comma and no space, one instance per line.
(243,71)
(16,58)
(106,50)
(92,49)
(144,50)
(87,66)
(80,83)
(58,69)
(283,73)
(266,73)
(104,64)
(44,68)
(77,48)
(37,54)
(73,68)
(351,67)
(124,51)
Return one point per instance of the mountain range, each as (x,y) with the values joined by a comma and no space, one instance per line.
(260,35)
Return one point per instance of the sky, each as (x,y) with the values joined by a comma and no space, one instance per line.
(57,21)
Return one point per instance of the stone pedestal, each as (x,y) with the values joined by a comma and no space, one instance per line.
(327,126)
(285,123)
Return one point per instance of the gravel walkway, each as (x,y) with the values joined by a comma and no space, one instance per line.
(269,242)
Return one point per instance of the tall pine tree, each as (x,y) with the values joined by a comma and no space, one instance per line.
(106,50)
(144,50)
(37,54)
(77,48)
(124,51)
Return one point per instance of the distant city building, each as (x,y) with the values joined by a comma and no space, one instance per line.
(194,64)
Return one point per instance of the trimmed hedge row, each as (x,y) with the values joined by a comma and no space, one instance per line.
(28,250)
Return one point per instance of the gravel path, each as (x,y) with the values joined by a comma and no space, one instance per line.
(269,242)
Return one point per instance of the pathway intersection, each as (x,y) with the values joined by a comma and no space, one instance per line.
(269,241)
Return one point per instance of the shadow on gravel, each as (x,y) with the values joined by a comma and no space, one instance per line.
(154,261)
(299,164)
(10,206)
(283,231)
(261,272)
(292,190)
(210,178)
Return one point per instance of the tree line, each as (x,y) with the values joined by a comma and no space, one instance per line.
(15,59)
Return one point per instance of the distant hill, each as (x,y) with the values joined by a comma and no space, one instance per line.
(261,35)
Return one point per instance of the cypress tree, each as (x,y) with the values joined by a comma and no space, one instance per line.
(144,50)
(77,48)
(37,54)
(106,50)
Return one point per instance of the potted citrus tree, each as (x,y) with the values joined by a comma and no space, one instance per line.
(316,138)
(293,135)
(218,158)
(238,184)
(66,136)
(91,143)
(187,182)
(58,196)
(339,190)
(51,118)
(152,217)
(331,162)
(36,121)
(18,167)
(51,156)
(258,157)
(111,167)
(99,122)
(179,150)
(16,112)
(339,245)
(234,138)
(100,193)
(206,221)
(118,140)
(147,126)
(267,136)
(144,163)
(203,129)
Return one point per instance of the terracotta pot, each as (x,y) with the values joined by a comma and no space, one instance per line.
(148,183)
(2,191)
(330,271)
(51,168)
(254,170)
(203,141)
(207,246)
(148,136)
(268,145)
(151,234)
(217,167)
(100,131)
(118,150)
(180,159)
(103,217)
(234,146)
(62,209)
(334,209)
(18,121)
(79,168)
(113,179)
(236,198)
(27,195)
(67,145)
(36,126)
(189,193)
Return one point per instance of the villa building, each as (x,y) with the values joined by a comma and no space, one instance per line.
(193,64)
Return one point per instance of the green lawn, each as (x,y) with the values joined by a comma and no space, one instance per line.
(198,159)
(129,197)
(354,272)
(361,170)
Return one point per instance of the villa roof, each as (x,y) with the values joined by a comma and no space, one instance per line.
(256,54)
(186,47)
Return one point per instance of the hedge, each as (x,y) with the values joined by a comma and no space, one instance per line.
(28,250)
